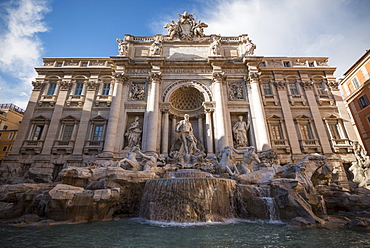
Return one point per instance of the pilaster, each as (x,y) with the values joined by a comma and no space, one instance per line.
(307,85)
(38,86)
(64,87)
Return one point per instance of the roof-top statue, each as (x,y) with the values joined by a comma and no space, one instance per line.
(186,27)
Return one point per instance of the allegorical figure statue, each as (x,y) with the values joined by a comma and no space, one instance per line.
(249,156)
(240,130)
(156,47)
(122,47)
(188,140)
(216,46)
(133,133)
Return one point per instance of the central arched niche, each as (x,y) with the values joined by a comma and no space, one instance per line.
(186,97)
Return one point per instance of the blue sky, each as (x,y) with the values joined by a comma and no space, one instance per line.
(33,29)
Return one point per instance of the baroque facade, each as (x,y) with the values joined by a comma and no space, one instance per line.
(86,109)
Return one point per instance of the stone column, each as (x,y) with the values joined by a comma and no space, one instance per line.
(38,87)
(221,137)
(200,128)
(209,130)
(82,133)
(257,110)
(173,127)
(165,130)
(317,118)
(114,114)
(51,135)
(151,118)
(288,118)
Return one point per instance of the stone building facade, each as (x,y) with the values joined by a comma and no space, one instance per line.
(81,109)
(356,90)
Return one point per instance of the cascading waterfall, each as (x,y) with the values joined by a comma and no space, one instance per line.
(264,194)
(186,198)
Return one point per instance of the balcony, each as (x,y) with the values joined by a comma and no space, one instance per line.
(32,146)
(63,147)
(75,101)
(341,145)
(47,100)
(93,147)
(103,99)
(294,99)
(281,144)
(310,145)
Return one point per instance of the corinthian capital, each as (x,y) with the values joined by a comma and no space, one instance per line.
(155,77)
(38,85)
(307,85)
(65,85)
(219,77)
(280,85)
(254,75)
(92,85)
(333,85)
(120,77)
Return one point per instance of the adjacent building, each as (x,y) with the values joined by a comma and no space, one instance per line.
(356,90)
(81,108)
(10,120)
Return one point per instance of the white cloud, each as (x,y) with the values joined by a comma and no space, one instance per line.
(338,29)
(20,49)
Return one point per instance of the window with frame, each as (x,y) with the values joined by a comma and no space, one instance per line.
(267,89)
(321,88)
(5,148)
(293,89)
(355,82)
(306,131)
(106,88)
(37,132)
(10,135)
(79,88)
(334,131)
(276,132)
(363,101)
(67,132)
(98,132)
(51,89)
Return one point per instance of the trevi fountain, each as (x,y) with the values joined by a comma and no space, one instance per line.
(240,195)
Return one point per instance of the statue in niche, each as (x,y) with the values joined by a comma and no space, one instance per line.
(137,92)
(235,92)
(122,47)
(249,156)
(240,130)
(187,151)
(156,47)
(185,129)
(133,133)
(216,46)
(226,162)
